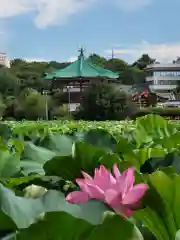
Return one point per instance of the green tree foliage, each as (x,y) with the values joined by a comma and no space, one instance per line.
(9,82)
(128,75)
(116,65)
(152,99)
(34,105)
(22,85)
(2,107)
(97,60)
(103,102)
(143,61)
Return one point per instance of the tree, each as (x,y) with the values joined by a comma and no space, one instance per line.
(11,103)
(22,86)
(138,76)
(2,107)
(60,112)
(57,65)
(34,105)
(97,60)
(9,82)
(116,65)
(177,60)
(152,99)
(143,61)
(128,75)
(58,97)
(102,102)
(176,91)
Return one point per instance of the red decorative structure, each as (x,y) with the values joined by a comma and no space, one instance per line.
(145,93)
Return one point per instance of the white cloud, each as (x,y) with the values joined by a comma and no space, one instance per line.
(58,11)
(48,12)
(163,52)
(36,60)
(27,59)
(72,59)
(10,8)
(55,12)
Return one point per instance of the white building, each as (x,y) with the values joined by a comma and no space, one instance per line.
(4,61)
(163,77)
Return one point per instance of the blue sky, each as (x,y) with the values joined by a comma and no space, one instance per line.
(55,29)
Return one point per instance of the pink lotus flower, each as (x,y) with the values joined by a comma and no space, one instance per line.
(117,190)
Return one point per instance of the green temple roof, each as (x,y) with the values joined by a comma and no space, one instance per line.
(82,68)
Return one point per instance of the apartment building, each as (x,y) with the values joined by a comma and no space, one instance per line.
(4,61)
(163,77)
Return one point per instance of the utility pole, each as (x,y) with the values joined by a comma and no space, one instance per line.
(45,93)
(112,54)
(69,99)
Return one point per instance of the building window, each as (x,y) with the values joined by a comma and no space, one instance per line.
(166,73)
(166,82)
